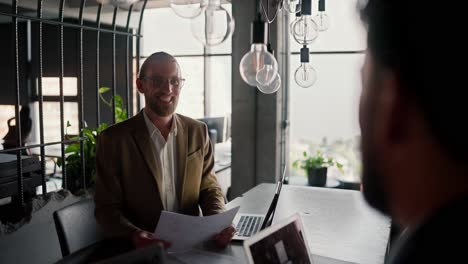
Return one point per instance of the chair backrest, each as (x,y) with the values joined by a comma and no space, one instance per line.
(77,227)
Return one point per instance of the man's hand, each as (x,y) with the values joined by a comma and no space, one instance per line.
(142,239)
(222,239)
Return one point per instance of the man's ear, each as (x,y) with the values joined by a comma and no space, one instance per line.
(394,113)
(140,87)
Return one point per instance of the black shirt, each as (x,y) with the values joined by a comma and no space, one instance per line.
(441,239)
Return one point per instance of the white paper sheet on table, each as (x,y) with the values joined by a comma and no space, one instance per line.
(185,231)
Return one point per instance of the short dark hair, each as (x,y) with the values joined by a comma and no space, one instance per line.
(158,57)
(410,38)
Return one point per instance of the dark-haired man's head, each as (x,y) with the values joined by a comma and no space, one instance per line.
(414,133)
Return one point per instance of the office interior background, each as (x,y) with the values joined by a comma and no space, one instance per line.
(65,61)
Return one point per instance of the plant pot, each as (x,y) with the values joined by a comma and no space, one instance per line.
(317,177)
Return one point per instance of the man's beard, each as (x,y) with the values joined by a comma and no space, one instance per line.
(161,110)
(372,181)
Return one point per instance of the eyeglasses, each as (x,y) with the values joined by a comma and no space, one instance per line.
(158,81)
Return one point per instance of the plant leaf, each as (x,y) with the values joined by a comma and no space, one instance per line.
(101,127)
(118,101)
(103,90)
(89,134)
(295,164)
(73,148)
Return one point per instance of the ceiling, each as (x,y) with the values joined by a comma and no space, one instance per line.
(72,7)
(71,10)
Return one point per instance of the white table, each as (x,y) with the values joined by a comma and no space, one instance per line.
(339,225)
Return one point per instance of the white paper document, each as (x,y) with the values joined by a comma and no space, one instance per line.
(185,231)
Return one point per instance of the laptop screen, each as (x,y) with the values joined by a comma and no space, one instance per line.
(271,211)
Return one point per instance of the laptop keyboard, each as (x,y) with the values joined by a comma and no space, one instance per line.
(248,225)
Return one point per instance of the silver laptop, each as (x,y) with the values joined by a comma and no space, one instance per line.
(248,225)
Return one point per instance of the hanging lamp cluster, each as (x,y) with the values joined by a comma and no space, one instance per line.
(211,24)
(305,30)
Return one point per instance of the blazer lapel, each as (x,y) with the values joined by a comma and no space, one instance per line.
(144,143)
(182,145)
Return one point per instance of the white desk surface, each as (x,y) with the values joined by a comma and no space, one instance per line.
(340,226)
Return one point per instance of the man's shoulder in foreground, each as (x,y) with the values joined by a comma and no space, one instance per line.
(440,240)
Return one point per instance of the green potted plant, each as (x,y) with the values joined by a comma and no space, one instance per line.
(73,160)
(316,167)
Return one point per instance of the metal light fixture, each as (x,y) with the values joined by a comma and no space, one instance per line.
(273,86)
(305,29)
(292,6)
(214,25)
(322,19)
(291,26)
(258,66)
(188,8)
(305,76)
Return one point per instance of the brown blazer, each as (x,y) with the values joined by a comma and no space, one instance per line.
(128,184)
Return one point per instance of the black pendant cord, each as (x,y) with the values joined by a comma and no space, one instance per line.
(257,7)
(268,8)
(268,15)
(266,12)
(269,48)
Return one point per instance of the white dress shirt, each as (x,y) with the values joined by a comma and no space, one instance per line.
(165,152)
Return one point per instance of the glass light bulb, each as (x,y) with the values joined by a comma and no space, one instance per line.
(305,30)
(322,20)
(305,75)
(292,6)
(188,8)
(291,26)
(273,87)
(266,75)
(254,61)
(214,25)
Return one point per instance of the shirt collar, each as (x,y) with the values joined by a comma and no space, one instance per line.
(153,129)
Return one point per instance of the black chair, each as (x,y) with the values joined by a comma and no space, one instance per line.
(152,254)
(76,226)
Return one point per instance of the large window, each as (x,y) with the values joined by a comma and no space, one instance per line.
(51,113)
(207,90)
(6,113)
(325,116)
(51,107)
